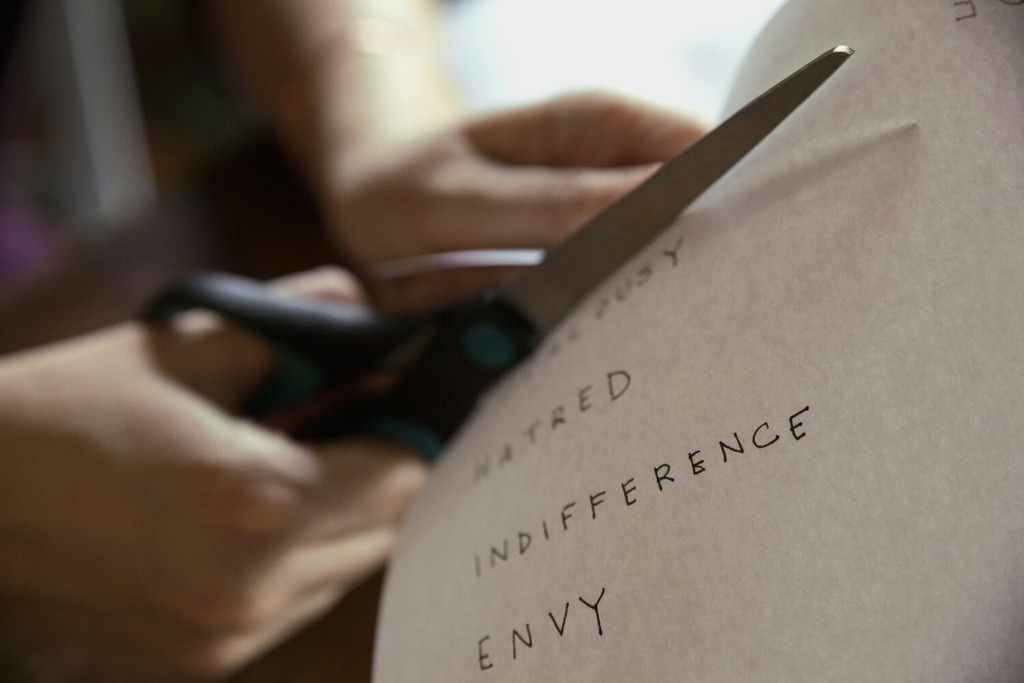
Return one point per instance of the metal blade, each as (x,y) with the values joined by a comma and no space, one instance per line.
(545,293)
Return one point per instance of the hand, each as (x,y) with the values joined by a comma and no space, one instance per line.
(144,524)
(361,98)
(526,177)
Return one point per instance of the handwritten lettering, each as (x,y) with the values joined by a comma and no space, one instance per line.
(696,465)
(662,258)
(972,9)
(626,490)
(968,10)
(662,479)
(583,401)
(523,635)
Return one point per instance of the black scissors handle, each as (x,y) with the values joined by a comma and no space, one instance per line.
(322,344)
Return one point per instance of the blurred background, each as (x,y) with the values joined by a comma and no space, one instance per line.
(682,54)
(107,106)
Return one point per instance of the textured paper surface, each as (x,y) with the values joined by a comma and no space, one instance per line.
(785,441)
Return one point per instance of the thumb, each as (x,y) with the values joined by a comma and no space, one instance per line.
(214,359)
(227,364)
(584,129)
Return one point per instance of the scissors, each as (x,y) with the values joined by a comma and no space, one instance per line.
(463,348)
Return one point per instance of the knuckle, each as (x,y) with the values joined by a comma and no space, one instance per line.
(407,481)
(225,614)
(322,281)
(337,276)
(575,200)
(248,511)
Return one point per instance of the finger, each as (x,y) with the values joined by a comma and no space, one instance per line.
(539,207)
(231,653)
(326,282)
(585,129)
(426,290)
(367,484)
(315,565)
(226,363)
(298,569)
(221,362)
(219,652)
(348,534)
(499,206)
(491,206)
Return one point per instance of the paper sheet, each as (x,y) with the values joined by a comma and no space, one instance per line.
(785,441)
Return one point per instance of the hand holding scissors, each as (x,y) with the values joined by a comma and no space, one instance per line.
(463,348)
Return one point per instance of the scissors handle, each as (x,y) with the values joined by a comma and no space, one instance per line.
(320,345)
(473,343)
(317,343)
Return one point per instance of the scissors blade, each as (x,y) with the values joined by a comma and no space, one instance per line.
(545,293)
